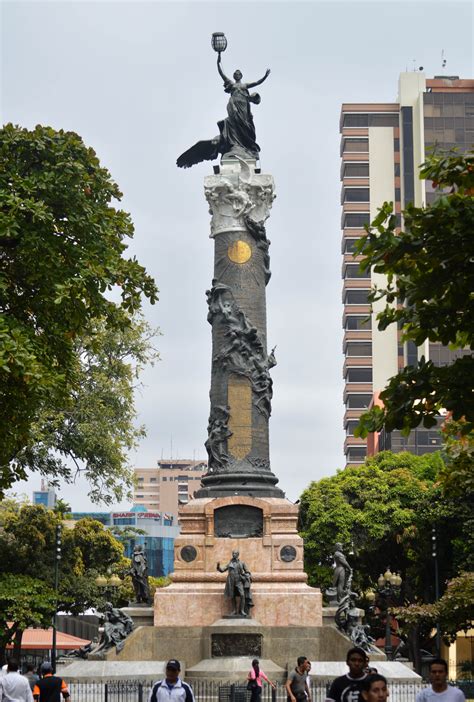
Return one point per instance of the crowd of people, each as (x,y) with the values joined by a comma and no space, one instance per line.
(31,686)
(362,683)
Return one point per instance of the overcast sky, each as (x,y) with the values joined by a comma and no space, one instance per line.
(138,82)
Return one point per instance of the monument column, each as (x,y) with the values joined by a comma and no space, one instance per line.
(241,387)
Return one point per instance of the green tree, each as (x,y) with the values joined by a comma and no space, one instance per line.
(377,509)
(386,510)
(61,255)
(454,611)
(27,546)
(24,602)
(95,432)
(429,296)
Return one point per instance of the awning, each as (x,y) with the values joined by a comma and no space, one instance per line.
(42,639)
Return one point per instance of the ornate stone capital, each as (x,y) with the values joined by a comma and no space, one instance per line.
(235,194)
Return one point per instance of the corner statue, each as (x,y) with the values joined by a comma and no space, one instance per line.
(238,585)
(237,132)
(139,573)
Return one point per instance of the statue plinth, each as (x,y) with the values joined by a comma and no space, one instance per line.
(271,548)
(241,387)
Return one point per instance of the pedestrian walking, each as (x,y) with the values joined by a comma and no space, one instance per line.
(31,675)
(254,684)
(50,687)
(13,686)
(171,688)
(347,688)
(439,690)
(374,688)
(297,682)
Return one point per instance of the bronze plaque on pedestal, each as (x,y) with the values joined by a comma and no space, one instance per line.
(249,645)
(238,521)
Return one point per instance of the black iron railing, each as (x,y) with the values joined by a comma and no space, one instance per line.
(209,691)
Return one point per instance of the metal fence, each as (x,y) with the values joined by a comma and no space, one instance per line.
(204,691)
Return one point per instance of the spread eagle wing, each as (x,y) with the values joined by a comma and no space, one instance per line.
(201,151)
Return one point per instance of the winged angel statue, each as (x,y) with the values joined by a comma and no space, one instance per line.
(237,131)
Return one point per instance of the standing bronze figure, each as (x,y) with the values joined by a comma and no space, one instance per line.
(139,573)
(342,573)
(237,585)
(237,131)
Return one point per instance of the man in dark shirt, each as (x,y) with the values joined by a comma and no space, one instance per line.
(347,688)
(297,683)
(50,687)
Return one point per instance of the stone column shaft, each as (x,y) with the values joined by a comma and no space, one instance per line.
(241,387)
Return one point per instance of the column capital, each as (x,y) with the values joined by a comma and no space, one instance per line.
(236,193)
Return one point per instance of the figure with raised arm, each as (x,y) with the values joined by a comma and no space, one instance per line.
(237,131)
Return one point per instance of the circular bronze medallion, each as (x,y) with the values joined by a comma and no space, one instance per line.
(239,252)
(188,553)
(288,553)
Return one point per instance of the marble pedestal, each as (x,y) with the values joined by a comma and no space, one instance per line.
(280,591)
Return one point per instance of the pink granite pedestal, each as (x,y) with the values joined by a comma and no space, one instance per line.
(280,591)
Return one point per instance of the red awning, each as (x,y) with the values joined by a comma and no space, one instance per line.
(42,639)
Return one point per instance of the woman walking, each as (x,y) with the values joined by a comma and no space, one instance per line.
(255,677)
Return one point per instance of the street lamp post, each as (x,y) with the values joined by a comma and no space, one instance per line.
(388,588)
(57,554)
(434,553)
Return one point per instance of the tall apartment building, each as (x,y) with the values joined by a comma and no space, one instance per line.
(171,483)
(382,147)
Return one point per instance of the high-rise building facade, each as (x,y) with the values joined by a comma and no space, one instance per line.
(382,147)
(171,483)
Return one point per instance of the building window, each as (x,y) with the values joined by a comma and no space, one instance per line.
(356,144)
(359,375)
(350,426)
(352,270)
(139,497)
(349,245)
(140,479)
(356,120)
(356,170)
(356,297)
(356,454)
(358,322)
(152,480)
(358,401)
(356,195)
(359,348)
(384,119)
(377,119)
(356,219)
(443,356)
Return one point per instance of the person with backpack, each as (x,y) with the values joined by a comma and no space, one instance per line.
(254,678)
(50,687)
(171,688)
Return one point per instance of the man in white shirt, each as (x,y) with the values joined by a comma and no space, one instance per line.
(13,686)
(439,690)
